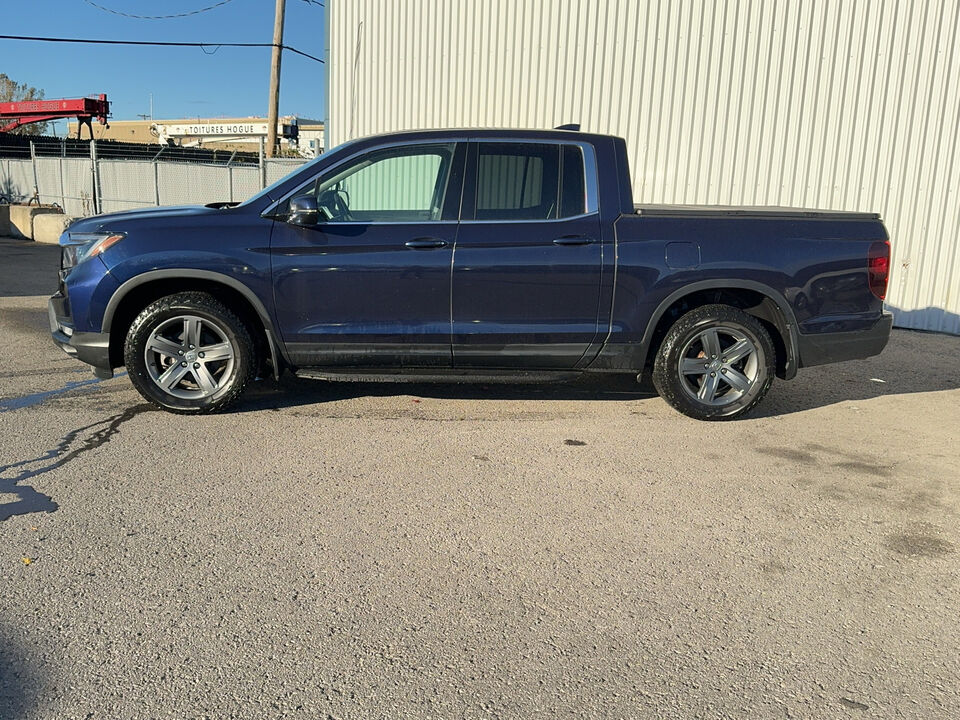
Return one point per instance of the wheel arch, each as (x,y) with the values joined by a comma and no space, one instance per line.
(139,291)
(761,301)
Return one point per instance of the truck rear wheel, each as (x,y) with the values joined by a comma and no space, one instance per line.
(716,363)
(189,353)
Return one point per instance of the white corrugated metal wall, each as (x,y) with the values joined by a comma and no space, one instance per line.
(839,104)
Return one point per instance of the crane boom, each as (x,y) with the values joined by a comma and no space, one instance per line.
(85,109)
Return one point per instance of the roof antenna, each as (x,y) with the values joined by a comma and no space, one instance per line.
(571,126)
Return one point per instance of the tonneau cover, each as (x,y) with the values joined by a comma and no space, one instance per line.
(745,211)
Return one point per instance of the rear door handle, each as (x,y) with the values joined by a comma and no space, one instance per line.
(573,240)
(425,243)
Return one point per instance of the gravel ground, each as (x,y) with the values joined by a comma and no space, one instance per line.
(357,550)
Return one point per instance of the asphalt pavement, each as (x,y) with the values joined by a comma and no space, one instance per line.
(470,551)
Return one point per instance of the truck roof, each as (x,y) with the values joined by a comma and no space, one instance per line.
(477,132)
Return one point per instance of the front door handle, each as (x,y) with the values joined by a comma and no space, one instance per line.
(425,243)
(573,240)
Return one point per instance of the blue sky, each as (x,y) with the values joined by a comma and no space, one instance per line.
(185,82)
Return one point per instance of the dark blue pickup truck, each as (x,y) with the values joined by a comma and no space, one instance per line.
(464,255)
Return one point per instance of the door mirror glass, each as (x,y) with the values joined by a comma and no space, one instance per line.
(303,211)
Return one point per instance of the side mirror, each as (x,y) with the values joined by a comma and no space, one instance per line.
(304,211)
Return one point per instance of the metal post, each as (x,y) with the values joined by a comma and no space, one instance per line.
(63,196)
(230,173)
(95,175)
(156,182)
(263,167)
(36,179)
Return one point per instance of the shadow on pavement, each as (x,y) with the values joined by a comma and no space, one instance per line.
(28,269)
(21,685)
(295,392)
(914,362)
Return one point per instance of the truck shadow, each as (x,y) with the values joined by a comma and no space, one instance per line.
(294,392)
(914,362)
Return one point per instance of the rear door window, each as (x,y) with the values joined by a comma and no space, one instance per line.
(529,181)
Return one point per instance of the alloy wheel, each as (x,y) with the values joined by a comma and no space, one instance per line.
(719,365)
(189,357)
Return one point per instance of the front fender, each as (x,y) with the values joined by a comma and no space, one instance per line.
(179,274)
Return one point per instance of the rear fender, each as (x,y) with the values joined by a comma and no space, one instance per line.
(775,309)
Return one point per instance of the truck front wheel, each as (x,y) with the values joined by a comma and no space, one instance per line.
(716,363)
(189,353)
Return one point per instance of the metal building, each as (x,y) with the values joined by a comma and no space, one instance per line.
(834,104)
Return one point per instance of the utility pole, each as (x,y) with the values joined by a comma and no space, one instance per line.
(274,107)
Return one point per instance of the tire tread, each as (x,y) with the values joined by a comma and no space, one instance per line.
(667,383)
(190,300)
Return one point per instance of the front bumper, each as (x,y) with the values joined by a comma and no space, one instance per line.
(91,348)
(823,348)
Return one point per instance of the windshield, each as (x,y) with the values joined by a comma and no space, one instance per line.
(268,192)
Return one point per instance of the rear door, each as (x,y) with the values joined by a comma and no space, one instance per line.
(528,260)
(369,285)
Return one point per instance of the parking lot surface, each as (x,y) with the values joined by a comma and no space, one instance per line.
(362,550)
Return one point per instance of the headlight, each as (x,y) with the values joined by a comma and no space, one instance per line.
(77,247)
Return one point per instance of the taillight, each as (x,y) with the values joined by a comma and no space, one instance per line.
(878,268)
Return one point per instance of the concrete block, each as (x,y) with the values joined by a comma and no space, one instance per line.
(21,218)
(4,220)
(47,227)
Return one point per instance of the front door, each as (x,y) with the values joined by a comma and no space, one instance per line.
(528,261)
(369,285)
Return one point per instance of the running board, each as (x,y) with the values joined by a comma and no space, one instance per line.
(436,376)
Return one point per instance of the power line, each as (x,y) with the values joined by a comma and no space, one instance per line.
(157,17)
(160,43)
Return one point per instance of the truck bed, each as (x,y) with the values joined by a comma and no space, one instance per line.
(746,211)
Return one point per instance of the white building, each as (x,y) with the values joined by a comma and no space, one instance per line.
(836,105)
(310,138)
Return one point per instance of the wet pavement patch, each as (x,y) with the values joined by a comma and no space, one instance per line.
(864,468)
(31,500)
(23,401)
(918,545)
(797,456)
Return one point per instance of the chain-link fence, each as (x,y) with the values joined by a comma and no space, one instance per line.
(89,178)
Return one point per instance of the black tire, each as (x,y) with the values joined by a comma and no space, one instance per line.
(684,385)
(217,381)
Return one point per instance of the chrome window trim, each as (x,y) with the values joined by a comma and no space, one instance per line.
(581,216)
(455,222)
(589,170)
(387,222)
(591,180)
